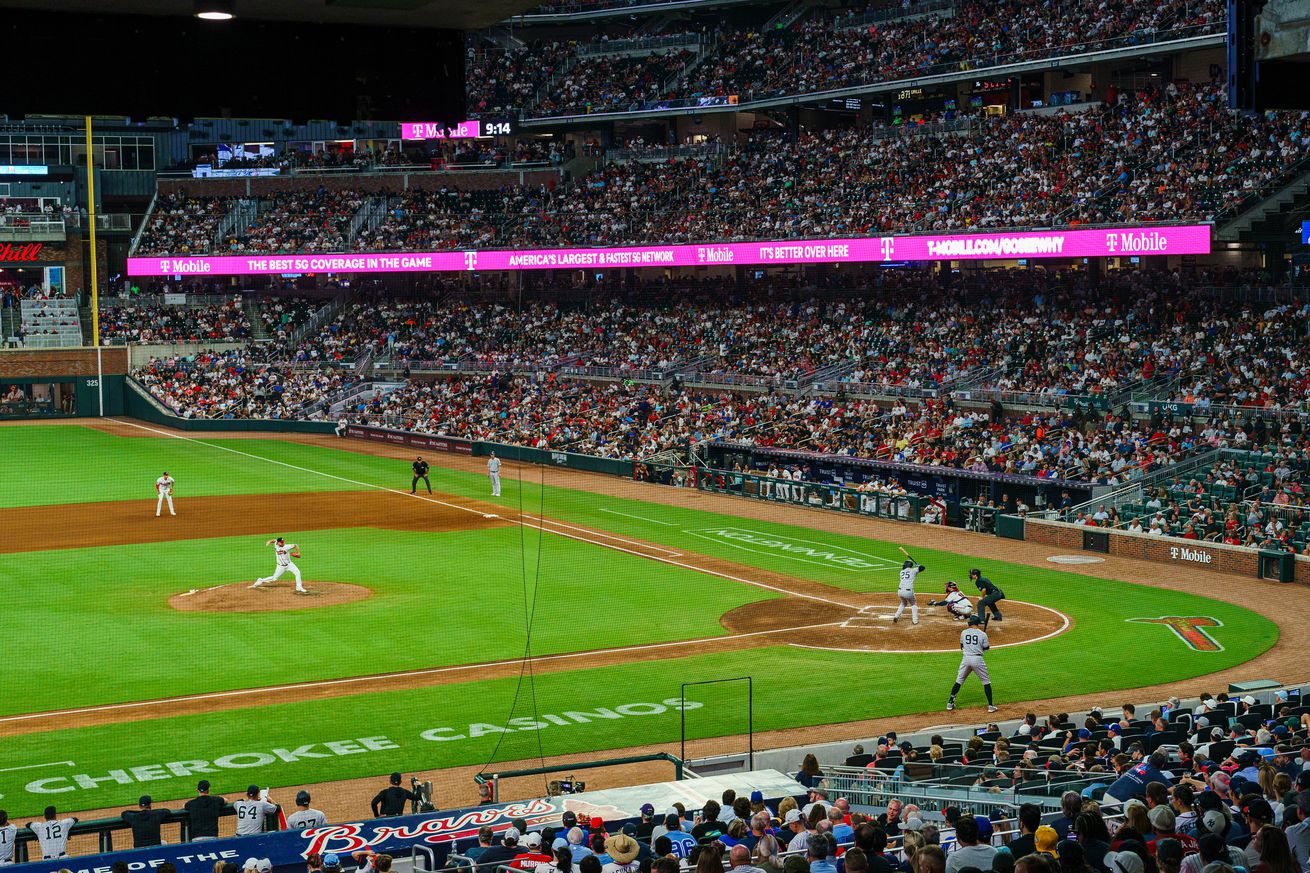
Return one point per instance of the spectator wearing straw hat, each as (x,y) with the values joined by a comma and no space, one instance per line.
(622,850)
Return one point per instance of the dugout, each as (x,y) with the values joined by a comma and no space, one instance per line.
(952,485)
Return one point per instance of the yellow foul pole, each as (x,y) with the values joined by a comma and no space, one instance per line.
(91,209)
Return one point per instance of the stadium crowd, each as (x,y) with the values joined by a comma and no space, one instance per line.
(1218,786)
(1175,153)
(235,384)
(145,323)
(816,53)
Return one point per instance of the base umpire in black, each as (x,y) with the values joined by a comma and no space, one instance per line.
(392,799)
(991,595)
(420,472)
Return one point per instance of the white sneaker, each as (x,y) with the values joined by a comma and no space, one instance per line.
(991,708)
(950,704)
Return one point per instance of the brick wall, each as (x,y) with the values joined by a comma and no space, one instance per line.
(1214,557)
(27,363)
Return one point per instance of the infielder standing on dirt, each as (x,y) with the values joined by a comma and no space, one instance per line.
(973,643)
(905,590)
(164,488)
(493,471)
(284,552)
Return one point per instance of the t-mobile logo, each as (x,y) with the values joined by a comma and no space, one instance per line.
(888,244)
(470,260)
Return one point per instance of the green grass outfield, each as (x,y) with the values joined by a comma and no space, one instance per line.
(92,626)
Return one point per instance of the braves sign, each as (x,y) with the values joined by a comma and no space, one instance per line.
(439,833)
(1191,629)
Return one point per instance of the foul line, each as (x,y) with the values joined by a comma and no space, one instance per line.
(639,517)
(377,677)
(665,560)
(36,766)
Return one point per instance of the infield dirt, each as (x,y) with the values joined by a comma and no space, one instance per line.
(342,800)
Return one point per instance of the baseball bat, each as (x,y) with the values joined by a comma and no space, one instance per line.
(905,553)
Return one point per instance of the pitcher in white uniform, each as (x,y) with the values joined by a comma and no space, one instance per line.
(973,643)
(493,470)
(164,488)
(282,551)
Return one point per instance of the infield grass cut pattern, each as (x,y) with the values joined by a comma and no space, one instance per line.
(98,619)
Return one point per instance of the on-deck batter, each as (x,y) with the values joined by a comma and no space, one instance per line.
(973,643)
(282,551)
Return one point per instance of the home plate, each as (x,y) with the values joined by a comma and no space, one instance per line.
(1075,559)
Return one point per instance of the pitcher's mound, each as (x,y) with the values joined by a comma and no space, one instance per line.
(277,596)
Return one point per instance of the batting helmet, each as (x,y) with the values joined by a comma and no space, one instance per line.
(951,586)
(906,564)
(973,619)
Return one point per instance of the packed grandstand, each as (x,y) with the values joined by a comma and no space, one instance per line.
(1153,395)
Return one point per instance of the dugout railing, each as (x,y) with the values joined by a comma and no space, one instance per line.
(816,495)
(971,788)
(176,827)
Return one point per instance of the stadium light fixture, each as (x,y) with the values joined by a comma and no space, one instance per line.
(216,10)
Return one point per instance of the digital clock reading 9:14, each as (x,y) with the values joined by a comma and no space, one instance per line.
(499,127)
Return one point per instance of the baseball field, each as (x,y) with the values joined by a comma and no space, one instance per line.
(136,655)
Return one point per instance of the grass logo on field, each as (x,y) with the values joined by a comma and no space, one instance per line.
(809,551)
(1191,629)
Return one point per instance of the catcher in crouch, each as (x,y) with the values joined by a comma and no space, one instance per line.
(956,603)
(284,552)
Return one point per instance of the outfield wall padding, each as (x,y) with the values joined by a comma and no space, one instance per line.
(1185,555)
(568,460)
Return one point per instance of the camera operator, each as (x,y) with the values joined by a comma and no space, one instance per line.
(392,799)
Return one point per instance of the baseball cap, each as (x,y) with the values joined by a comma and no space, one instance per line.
(1259,809)
(302,797)
(912,823)
(145,800)
(395,778)
(757,796)
(252,791)
(1212,847)
(264,866)
(1084,734)
(1124,862)
(647,809)
(511,835)
(570,818)
(1045,838)
(1162,819)
(1249,700)
(597,824)
(251,864)
(792,816)
(532,840)
(202,785)
(1215,822)
(331,860)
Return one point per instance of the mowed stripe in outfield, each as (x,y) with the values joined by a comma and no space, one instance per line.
(90,525)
